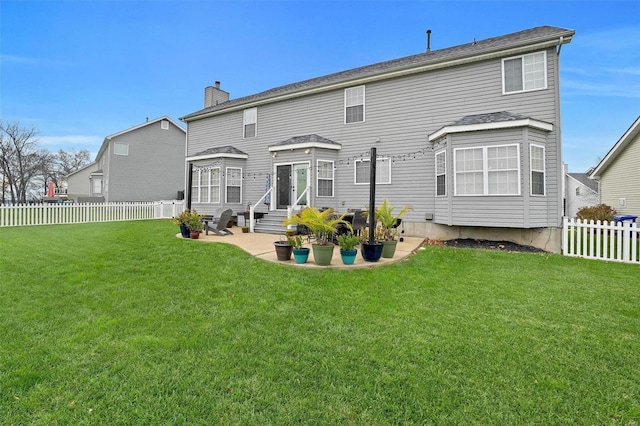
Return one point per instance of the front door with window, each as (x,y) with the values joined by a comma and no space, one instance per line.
(291,181)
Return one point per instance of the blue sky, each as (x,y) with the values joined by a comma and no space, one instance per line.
(81,70)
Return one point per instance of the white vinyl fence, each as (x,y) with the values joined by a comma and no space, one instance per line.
(58,214)
(615,241)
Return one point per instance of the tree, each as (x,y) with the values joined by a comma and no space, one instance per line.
(69,162)
(25,169)
(21,161)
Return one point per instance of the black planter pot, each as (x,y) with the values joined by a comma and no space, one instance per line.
(283,250)
(185,231)
(371,252)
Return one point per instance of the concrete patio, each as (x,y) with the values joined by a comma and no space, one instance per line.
(261,246)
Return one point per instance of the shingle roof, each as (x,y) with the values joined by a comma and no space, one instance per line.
(220,150)
(306,138)
(468,50)
(492,117)
(583,178)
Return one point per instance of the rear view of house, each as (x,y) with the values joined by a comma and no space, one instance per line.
(469,136)
(143,163)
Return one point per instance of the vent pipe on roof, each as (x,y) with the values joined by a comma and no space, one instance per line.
(428,41)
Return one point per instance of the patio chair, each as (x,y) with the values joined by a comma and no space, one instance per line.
(219,225)
(359,221)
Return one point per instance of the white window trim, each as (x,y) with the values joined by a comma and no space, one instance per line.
(485,171)
(226,184)
(245,121)
(383,160)
(118,144)
(504,91)
(364,101)
(164,125)
(318,179)
(442,152)
(543,171)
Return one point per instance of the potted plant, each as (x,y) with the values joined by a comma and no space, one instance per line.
(283,250)
(194,224)
(181,220)
(245,229)
(323,224)
(300,253)
(387,230)
(347,243)
(371,248)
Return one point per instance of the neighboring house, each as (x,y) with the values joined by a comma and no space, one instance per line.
(143,163)
(581,192)
(469,136)
(79,182)
(618,173)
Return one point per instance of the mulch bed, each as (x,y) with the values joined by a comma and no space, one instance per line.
(486,245)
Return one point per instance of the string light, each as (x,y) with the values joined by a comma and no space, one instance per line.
(360,157)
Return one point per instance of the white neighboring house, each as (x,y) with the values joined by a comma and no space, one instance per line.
(581,191)
(618,173)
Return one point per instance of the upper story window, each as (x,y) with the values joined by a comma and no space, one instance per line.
(250,122)
(523,73)
(488,170)
(363,171)
(354,104)
(164,125)
(441,173)
(537,170)
(121,148)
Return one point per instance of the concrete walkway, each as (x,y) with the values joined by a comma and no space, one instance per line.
(261,246)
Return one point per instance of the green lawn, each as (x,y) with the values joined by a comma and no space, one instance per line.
(122,324)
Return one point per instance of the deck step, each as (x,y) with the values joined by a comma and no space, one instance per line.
(271,223)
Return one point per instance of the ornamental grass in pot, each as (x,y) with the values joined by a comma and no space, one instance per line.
(323,225)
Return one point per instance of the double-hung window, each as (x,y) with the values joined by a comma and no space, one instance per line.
(214,185)
(250,123)
(234,185)
(524,73)
(441,173)
(325,178)
(488,170)
(363,171)
(537,170)
(354,104)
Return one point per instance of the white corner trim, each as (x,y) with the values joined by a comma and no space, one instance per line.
(528,122)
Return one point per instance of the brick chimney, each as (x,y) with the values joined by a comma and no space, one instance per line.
(214,95)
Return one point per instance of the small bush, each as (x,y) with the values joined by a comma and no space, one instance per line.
(600,212)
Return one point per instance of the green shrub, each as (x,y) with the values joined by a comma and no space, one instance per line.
(600,212)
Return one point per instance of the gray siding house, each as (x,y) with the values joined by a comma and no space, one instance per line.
(143,163)
(469,136)
(618,173)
